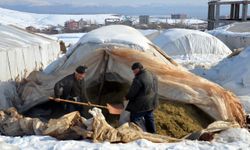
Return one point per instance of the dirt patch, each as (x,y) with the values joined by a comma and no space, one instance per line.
(177,119)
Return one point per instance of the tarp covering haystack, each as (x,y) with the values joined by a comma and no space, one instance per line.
(22,52)
(192,48)
(109,52)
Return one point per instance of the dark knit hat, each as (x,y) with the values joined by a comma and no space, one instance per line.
(81,69)
(137,65)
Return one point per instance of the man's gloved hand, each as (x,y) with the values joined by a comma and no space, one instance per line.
(76,99)
(57,99)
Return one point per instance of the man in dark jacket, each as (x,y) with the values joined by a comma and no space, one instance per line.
(143,97)
(72,87)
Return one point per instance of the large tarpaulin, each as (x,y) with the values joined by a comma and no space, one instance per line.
(22,52)
(190,42)
(114,56)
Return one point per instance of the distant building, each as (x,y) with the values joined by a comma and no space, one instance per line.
(225,17)
(144,19)
(127,22)
(59,28)
(168,17)
(109,21)
(178,16)
(82,23)
(71,25)
(50,30)
(238,12)
(31,29)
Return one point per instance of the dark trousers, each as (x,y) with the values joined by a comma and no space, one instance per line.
(68,107)
(145,120)
(73,107)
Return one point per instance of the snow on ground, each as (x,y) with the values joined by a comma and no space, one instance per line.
(185,21)
(147,32)
(236,35)
(230,139)
(192,48)
(245,101)
(197,62)
(233,74)
(25,19)
(167,19)
(69,38)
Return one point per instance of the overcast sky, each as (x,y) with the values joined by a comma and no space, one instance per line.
(193,8)
(104,2)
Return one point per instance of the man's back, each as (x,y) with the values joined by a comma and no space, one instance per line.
(143,98)
(143,95)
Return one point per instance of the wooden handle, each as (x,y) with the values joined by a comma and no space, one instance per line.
(78,103)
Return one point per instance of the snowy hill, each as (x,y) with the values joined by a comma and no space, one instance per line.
(234,74)
(24,19)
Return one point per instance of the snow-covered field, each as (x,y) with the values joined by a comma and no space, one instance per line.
(69,38)
(25,19)
(185,21)
(43,20)
(230,139)
(164,19)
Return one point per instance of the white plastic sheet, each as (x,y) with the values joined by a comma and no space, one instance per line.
(191,48)
(22,52)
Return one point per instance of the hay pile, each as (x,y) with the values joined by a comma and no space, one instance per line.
(173,119)
(177,119)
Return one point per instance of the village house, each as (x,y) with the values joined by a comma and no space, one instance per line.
(71,25)
(82,23)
